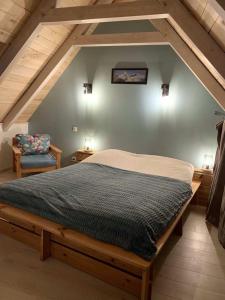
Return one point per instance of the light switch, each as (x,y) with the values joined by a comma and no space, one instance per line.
(75,129)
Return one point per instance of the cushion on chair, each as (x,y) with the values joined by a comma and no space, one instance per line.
(38,161)
(33,144)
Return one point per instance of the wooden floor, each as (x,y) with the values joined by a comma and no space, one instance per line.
(191,267)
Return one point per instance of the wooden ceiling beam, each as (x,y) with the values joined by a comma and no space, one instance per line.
(197,38)
(219,6)
(29,30)
(141,10)
(121,39)
(179,17)
(192,61)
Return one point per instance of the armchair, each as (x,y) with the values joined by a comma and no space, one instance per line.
(35,163)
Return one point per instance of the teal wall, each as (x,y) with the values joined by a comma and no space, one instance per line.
(130,117)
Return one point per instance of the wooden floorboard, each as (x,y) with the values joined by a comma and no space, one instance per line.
(188,268)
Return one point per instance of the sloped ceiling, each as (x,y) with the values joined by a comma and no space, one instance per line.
(13,14)
(206,14)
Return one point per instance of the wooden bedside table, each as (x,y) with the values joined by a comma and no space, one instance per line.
(82,154)
(202,195)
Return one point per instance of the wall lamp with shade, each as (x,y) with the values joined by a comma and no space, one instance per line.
(87,88)
(165,89)
(219,113)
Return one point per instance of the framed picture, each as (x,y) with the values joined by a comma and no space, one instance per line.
(130,76)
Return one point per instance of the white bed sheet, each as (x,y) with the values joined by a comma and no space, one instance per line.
(147,164)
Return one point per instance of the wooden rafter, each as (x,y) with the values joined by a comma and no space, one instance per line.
(197,39)
(121,39)
(219,6)
(179,17)
(141,10)
(191,60)
(29,30)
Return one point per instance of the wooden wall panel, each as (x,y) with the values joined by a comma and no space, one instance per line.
(33,59)
(12,16)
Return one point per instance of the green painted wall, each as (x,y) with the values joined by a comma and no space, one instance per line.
(130,117)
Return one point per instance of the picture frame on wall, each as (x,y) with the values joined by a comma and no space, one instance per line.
(129,76)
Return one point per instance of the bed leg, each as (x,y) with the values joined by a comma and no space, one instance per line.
(179,227)
(146,286)
(45,245)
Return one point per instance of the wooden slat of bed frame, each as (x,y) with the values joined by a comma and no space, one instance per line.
(104,261)
(161,242)
(77,240)
(101,270)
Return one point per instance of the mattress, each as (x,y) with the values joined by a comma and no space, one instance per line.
(147,164)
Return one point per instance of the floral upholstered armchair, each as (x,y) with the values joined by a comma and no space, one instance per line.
(34,154)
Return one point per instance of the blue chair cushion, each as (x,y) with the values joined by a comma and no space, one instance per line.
(38,161)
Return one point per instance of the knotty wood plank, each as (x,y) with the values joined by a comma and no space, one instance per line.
(20,234)
(25,35)
(100,270)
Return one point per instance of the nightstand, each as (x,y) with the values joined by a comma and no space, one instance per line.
(202,195)
(82,154)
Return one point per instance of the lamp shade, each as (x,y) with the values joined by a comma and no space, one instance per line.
(88,143)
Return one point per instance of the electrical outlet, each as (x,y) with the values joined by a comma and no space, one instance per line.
(73,158)
(75,129)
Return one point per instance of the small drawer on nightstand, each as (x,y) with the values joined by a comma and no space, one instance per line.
(202,195)
(82,154)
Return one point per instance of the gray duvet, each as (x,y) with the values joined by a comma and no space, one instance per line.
(124,208)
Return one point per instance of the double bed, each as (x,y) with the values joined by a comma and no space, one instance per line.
(109,215)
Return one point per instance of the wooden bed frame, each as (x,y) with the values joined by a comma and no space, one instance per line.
(109,263)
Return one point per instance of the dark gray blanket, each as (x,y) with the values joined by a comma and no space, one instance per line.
(124,208)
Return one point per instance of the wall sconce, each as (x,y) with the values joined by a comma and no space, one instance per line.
(87,88)
(165,89)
